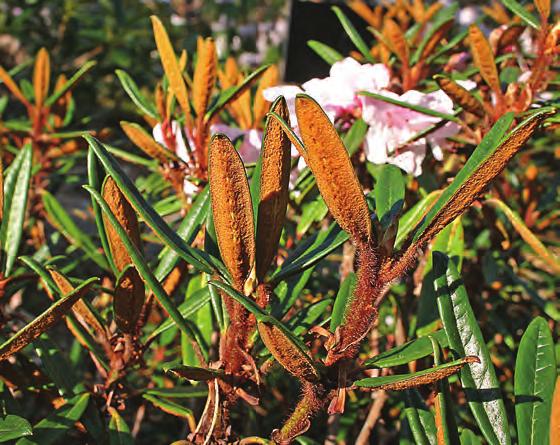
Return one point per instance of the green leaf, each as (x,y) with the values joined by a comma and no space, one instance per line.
(310,252)
(95,180)
(354,137)
(135,94)
(443,16)
(389,194)
(70,83)
(187,230)
(406,381)
(534,382)
(325,52)
(13,427)
(188,308)
(353,34)
(143,268)
(469,438)
(417,108)
(522,13)
(408,352)
(343,299)
(55,365)
(304,319)
(198,259)
(412,217)
(421,420)
(479,380)
(445,417)
(119,433)
(62,221)
(44,321)
(16,192)
(53,428)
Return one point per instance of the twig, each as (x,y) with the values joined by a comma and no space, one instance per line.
(372,417)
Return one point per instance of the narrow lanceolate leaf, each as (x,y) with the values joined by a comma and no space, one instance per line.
(353,34)
(126,216)
(519,10)
(484,58)
(328,159)
(534,382)
(80,308)
(486,162)
(204,75)
(1,188)
(275,176)
(70,83)
(134,93)
(129,290)
(395,36)
(287,353)
(17,186)
(195,372)
(147,144)
(342,302)
(325,52)
(232,211)
(41,76)
(432,39)
(12,86)
(171,66)
(420,418)
(461,96)
(529,237)
(401,382)
(129,299)
(44,321)
(119,432)
(389,194)
(479,380)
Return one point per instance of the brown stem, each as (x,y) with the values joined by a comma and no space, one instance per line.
(372,418)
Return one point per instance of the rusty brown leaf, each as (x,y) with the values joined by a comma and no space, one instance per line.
(12,86)
(261,106)
(275,177)
(147,144)
(396,38)
(232,211)
(129,299)
(329,161)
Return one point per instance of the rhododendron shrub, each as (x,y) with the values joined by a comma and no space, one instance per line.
(368,257)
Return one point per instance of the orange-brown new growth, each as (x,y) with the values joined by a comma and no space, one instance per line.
(329,161)
(12,86)
(484,58)
(260,105)
(171,67)
(127,218)
(41,76)
(460,96)
(204,75)
(232,210)
(147,144)
(275,177)
(397,40)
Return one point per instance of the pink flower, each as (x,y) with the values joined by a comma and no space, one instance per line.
(250,148)
(392,126)
(337,94)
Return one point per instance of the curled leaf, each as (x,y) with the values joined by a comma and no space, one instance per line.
(126,216)
(329,161)
(129,299)
(275,176)
(232,211)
